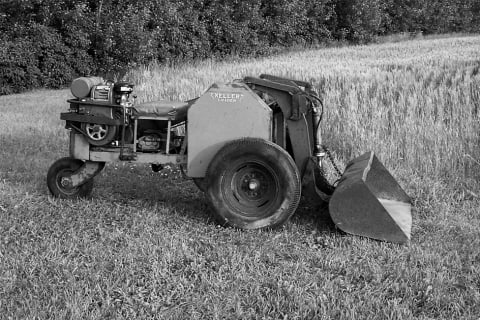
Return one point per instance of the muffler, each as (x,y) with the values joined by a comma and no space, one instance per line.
(369,202)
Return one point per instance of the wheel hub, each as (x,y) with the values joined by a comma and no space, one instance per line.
(96,131)
(65,182)
(253,189)
(253,184)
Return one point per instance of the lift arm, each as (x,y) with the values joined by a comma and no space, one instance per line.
(299,115)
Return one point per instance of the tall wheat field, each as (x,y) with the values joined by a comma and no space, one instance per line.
(415,103)
(145,245)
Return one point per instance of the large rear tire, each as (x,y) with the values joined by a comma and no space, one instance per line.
(253,183)
(62,168)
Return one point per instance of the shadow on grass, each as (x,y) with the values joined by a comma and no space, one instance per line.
(315,216)
(136,185)
(168,187)
(26,160)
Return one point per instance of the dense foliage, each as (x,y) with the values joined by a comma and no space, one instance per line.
(45,43)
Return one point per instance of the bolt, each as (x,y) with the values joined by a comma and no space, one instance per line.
(253,184)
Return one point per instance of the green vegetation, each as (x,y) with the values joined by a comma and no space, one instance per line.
(145,245)
(46,43)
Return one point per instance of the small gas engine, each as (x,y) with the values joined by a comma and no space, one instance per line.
(103,112)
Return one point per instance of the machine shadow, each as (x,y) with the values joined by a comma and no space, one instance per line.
(315,216)
(167,190)
(180,195)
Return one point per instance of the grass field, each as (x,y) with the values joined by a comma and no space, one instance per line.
(145,245)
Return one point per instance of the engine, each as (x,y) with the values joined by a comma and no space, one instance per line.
(100,109)
(96,89)
(103,113)
(155,141)
(151,142)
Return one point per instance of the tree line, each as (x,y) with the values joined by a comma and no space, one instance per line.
(46,43)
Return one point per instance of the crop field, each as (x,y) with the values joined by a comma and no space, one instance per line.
(146,247)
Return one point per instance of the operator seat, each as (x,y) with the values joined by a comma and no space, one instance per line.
(176,111)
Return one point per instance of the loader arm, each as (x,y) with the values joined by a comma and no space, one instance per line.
(367,201)
(296,120)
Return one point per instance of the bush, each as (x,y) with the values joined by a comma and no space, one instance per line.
(360,21)
(433,16)
(39,58)
(18,67)
(49,42)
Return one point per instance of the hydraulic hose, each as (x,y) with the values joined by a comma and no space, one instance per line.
(317,136)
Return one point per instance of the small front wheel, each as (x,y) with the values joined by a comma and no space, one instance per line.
(57,182)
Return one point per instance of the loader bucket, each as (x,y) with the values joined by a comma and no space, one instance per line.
(369,202)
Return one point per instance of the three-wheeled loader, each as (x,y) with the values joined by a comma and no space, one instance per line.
(253,146)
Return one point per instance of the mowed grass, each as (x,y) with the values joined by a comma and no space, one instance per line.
(145,245)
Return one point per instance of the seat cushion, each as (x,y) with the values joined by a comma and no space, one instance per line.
(174,110)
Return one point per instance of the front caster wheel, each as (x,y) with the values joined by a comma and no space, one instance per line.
(253,183)
(57,182)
